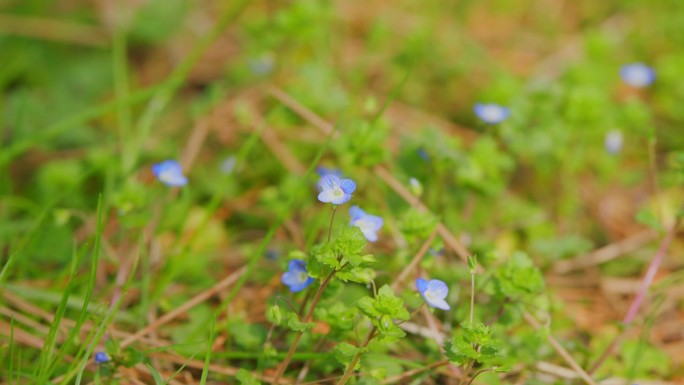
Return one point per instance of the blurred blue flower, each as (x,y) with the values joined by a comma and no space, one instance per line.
(261,65)
(228,165)
(296,276)
(101,357)
(324,171)
(170,173)
(613,141)
(433,291)
(335,190)
(423,154)
(637,75)
(491,113)
(369,224)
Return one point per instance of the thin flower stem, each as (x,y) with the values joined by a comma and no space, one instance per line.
(350,368)
(472,296)
(286,362)
(478,373)
(332,218)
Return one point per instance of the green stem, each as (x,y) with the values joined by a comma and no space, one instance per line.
(350,368)
(283,365)
(472,296)
(332,218)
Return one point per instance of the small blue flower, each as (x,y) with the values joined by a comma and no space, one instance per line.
(228,165)
(613,141)
(335,190)
(433,291)
(101,357)
(369,224)
(323,171)
(637,75)
(491,113)
(296,276)
(423,154)
(170,173)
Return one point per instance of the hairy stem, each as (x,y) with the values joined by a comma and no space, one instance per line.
(472,296)
(350,368)
(286,362)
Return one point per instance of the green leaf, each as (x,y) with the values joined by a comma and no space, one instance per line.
(518,277)
(349,244)
(472,264)
(158,380)
(345,353)
(367,307)
(245,377)
(460,352)
(274,315)
(326,256)
(295,324)
(389,304)
(356,274)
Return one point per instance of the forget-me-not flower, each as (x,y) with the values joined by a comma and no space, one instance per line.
(491,113)
(335,190)
(170,173)
(433,291)
(101,357)
(296,276)
(637,75)
(613,141)
(369,224)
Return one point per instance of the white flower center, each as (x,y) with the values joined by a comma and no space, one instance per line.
(337,192)
(492,113)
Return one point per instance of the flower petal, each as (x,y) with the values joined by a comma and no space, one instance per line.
(328,182)
(355,212)
(421,285)
(438,303)
(348,186)
(438,288)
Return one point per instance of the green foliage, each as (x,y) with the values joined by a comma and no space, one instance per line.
(345,353)
(476,344)
(383,310)
(518,278)
(245,377)
(417,225)
(345,256)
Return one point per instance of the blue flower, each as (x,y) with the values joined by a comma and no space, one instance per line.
(296,276)
(335,190)
(613,141)
(369,224)
(101,357)
(433,291)
(491,113)
(170,173)
(324,171)
(637,75)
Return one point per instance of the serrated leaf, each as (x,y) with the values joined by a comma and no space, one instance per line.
(367,307)
(460,352)
(356,274)
(345,353)
(295,324)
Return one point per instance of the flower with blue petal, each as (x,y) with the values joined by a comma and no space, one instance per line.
(433,291)
(613,141)
(101,357)
(491,113)
(335,190)
(170,173)
(324,171)
(367,223)
(296,276)
(637,75)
